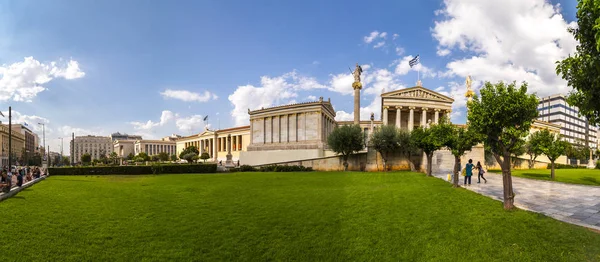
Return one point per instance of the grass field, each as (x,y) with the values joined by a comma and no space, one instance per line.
(571,176)
(277,216)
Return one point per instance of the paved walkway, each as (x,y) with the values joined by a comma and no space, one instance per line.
(575,204)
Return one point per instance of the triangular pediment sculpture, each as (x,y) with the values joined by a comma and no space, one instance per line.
(418,92)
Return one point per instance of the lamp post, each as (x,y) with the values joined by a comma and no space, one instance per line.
(61,150)
(44,137)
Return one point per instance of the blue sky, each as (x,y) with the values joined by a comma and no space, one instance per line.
(157,68)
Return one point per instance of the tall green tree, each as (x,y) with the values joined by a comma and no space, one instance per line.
(430,140)
(143,156)
(582,69)
(346,140)
(533,147)
(163,156)
(459,141)
(204,156)
(86,159)
(114,158)
(385,141)
(406,147)
(503,116)
(187,150)
(189,157)
(553,147)
(130,156)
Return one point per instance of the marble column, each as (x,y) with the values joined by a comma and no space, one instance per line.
(437,115)
(385,115)
(398,113)
(356,105)
(411,118)
(424,117)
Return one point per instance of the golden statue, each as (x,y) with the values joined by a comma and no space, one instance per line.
(469,95)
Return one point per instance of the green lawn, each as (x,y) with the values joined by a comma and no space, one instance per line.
(571,176)
(312,216)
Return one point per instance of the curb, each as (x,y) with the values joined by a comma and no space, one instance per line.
(16,190)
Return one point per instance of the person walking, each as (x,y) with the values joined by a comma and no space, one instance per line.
(468,171)
(480,173)
(20,176)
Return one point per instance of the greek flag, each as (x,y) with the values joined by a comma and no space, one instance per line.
(414,61)
(205,118)
(25,124)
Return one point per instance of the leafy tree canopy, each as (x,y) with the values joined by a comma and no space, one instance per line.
(346,140)
(187,150)
(582,69)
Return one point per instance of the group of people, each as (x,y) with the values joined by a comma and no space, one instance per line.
(470,168)
(23,174)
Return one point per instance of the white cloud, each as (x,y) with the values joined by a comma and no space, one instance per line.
(22,81)
(189,96)
(443,52)
(380,44)
(343,116)
(399,50)
(272,91)
(165,117)
(511,40)
(189,124)
(311,98)
(395,36)
(316,62)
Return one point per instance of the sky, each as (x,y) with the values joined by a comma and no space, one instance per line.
(156,68)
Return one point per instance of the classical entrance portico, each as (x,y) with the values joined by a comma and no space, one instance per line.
(416,106)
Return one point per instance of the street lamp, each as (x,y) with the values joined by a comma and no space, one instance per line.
(61,150)
(44,137)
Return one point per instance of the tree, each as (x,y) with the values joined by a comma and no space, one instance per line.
(517,152)
(130,156)
(582,69)
(173,158)
(552,146)
(503,116)
(385,141)
(66,161)
(187,150)
(345,141)
(406,147)
(195,158)
(189,157)
(143,156)
(86,159)
(163,156)
(533,147)
(114,158)
(459,140)
(204,156)
(430,140)
(154,158)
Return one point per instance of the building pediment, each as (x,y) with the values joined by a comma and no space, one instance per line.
(418,92)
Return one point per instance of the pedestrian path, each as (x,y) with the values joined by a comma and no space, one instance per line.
(575,204)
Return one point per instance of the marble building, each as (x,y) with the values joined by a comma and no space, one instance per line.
(412,107)
(217,142)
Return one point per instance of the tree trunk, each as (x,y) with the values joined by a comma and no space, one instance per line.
(552,169)
(345,162)
(429,157)
(455,171)
(509,195)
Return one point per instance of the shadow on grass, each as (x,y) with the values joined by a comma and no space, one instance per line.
(592,180)
(536,175)
(72,180)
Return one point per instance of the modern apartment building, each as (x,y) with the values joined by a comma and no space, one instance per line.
(93,145)
(574,129)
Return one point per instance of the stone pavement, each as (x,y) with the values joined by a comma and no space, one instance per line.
(575,204)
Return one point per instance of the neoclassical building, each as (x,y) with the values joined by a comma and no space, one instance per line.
(217,142)
(412,107)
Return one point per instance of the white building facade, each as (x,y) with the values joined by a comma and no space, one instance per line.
(93,145)
(574,129)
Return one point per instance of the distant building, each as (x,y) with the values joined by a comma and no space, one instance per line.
(124,147)
(154,147)
(17,145)
(30,138)
(118,136)
(93,145)
(573,128)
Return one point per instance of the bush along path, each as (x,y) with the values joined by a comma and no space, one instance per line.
(575,204)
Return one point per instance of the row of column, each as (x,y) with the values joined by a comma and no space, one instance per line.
(411,115)
(328,126)
(155,149)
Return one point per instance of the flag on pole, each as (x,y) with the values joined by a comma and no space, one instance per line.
(205,118)
(414,61)
(25,124)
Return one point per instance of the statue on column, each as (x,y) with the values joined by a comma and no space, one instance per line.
(469,95)
(356,73)
(229,160)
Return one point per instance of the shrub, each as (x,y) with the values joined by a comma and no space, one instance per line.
(134,170)
(275,168)
(598,164)
(246,168)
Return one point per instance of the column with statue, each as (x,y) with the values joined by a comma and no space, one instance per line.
(357,86)
(229,161)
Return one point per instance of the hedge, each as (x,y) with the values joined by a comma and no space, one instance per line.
(562,166)
(133,170)
(271,168)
